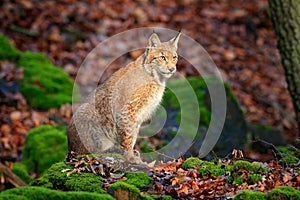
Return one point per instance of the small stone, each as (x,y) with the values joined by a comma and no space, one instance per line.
(229,55)
(15,116)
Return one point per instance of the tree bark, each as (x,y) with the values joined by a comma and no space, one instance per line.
(285,16)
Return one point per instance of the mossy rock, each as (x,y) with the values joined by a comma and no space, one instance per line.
(6,50)
(21,171)
(55,179)
(44,85)
(182,99)
(33,192)
(138,179)
(279,193)
(250,195)
(44,146)
(123,191)
(284,192)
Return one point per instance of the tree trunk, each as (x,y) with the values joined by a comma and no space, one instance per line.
(285,15)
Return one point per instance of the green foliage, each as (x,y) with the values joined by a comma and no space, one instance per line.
(54,178)
(33,192)
(284,192)
(138,179)
(191,162)
(44,85)
(21,171)
(249,195)
(253,178)
(44,146)
(6,50)
(290,154)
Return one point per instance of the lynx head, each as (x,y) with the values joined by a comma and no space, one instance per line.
(161,57)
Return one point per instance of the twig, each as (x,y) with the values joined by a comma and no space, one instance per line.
(11,177)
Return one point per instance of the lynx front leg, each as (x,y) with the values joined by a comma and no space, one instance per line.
(128,132)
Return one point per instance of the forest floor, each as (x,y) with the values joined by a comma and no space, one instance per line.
(238,35)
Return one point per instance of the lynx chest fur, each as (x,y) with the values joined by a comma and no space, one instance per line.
(127,99)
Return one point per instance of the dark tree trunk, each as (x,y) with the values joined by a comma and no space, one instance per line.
(285,16)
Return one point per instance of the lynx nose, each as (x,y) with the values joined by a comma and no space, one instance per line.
(172,69)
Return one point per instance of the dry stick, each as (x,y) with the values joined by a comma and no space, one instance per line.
(11,177)
(268,143)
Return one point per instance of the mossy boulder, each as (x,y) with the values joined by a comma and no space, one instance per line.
(7,51)
(32,192)
(44,85)
(122,191)
(284,192)
(55,178)
(44,146)
(180,96)
(138,179)
(21,171)
(279,193)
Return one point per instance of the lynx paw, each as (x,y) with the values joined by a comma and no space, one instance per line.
(132,158)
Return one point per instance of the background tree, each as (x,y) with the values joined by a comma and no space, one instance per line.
(285,15)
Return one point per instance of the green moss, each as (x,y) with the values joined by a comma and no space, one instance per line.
(245,165)
(191,162)
(249,195)
(44,85)
(238,181)
(166,197)
(44,146)
(12,197)
(205,167)
(289,155)
(6,50)
(138,179)
(21,171)
(121,188)
(125,186)
(284,192)
(253,178)
(33,192)
(54,178)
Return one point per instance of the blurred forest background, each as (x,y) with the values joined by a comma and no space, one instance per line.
(237,34)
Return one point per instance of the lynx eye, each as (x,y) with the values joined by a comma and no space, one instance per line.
(174,57)
(163,58)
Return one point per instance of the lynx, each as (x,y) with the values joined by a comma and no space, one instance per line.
(121,104)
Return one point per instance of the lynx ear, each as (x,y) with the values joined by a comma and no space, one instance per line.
(174,40)
(154,41)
